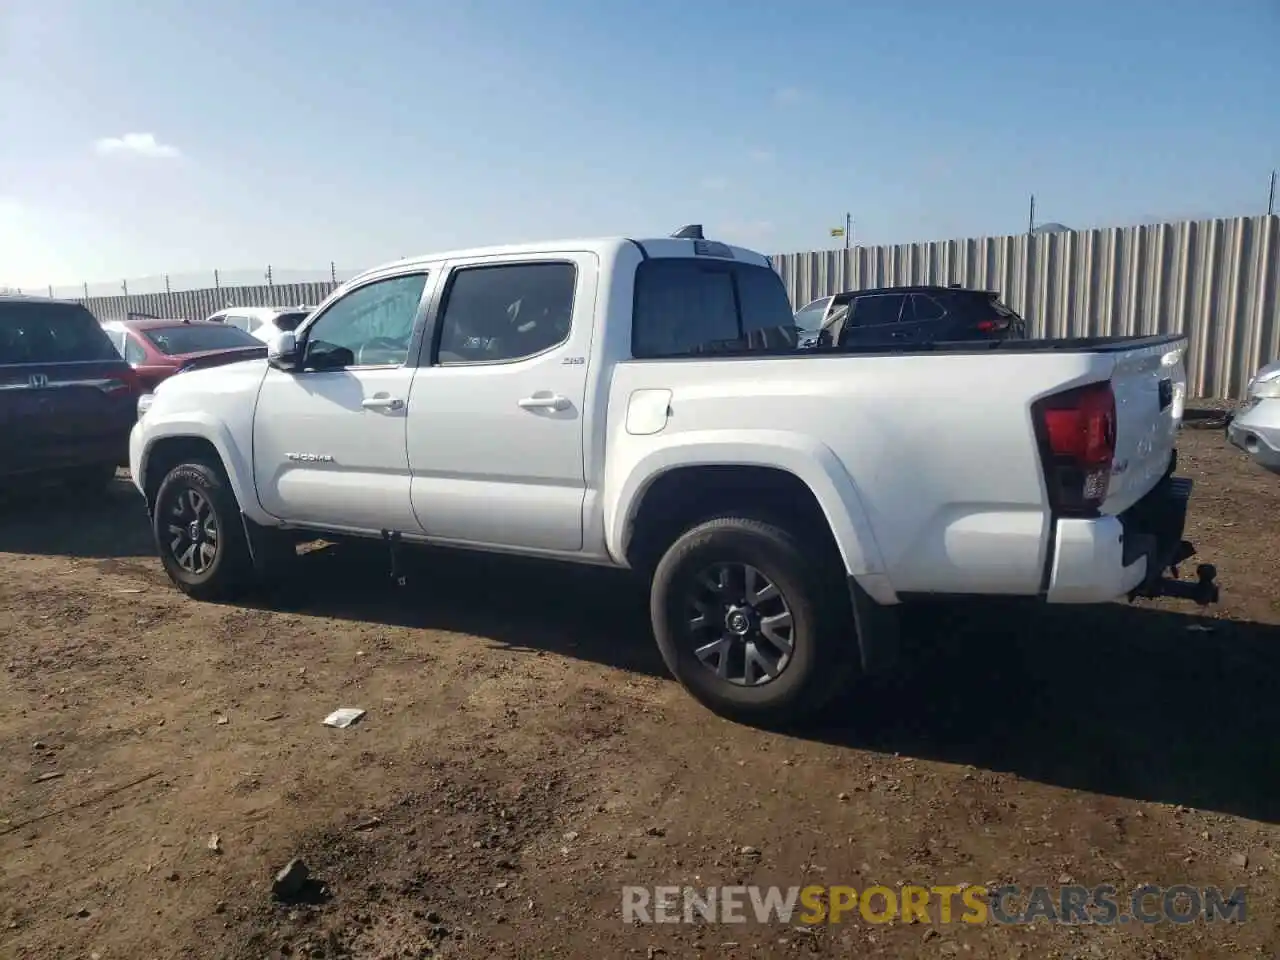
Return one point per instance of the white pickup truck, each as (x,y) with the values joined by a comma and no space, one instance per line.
(643,404)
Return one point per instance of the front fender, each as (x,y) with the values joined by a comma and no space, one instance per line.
(152,430)
(630,472)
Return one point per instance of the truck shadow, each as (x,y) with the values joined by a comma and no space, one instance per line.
(594,614)
(1137,702)
(1128,701)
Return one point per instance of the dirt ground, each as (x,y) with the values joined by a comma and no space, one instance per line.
(524,756)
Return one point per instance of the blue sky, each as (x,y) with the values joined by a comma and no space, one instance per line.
(299,133)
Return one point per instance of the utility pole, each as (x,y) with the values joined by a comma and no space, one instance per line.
(1271,198)
(1031,217)
(216,284)
(333,272)
(166,285)
(848,228)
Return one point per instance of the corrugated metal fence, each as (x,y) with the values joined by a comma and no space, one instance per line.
(1215,280)
(198,304)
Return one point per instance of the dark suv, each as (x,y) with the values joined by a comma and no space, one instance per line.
(67,399)
(905,316)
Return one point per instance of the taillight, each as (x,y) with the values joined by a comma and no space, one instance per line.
(126,381)
(988,326)
(1077,430)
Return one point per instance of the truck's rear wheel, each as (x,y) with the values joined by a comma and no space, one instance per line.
(752,624)
(199,533)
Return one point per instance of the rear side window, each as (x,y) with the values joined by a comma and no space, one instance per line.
(506,312)
(691,307)
(32,332)
(925,308)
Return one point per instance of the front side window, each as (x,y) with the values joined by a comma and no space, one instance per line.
(506,312)
(685,306)
(370,326)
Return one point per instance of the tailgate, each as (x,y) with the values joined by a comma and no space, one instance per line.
(1150,384)
(54,415)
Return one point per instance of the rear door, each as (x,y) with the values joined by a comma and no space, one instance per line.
(875,319)
(67,398)
(496,419)
(1150,385)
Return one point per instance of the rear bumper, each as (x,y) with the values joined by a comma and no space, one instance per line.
(1102,559)
(85,452)
(1256,431)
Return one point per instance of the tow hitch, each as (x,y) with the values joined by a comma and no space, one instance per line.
(1203,590)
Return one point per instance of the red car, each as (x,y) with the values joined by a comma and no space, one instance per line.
(157,349)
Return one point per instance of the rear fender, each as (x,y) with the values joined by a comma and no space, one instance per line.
(806,458)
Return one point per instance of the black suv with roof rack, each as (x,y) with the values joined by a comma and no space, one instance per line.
(907,316)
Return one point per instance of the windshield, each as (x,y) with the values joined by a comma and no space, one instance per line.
(194,338)
(809,318)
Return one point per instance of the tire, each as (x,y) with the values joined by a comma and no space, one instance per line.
(823,639)
(225,571)
(90,481)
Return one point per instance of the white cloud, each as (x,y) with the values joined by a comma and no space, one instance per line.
(135,145)
(787,95)
(761,155)
(714,183)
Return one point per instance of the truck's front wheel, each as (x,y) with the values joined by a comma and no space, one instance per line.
(753,625)
(199,533)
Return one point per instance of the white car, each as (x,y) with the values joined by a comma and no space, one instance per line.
(1255,426)
(265,323)
(643,404)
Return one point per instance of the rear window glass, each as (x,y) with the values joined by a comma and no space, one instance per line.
(689,307)
(192,338)
(33,332)
(290,321)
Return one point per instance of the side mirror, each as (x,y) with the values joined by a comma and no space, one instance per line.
(282,351)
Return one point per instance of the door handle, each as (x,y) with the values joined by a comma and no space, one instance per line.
(382,402)
(544,401)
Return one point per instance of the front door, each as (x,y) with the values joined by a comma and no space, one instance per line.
(329,439)
(496,432)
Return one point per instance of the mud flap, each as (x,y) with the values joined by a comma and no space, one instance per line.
(879,632)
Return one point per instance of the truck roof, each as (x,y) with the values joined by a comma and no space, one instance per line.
(652,247)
